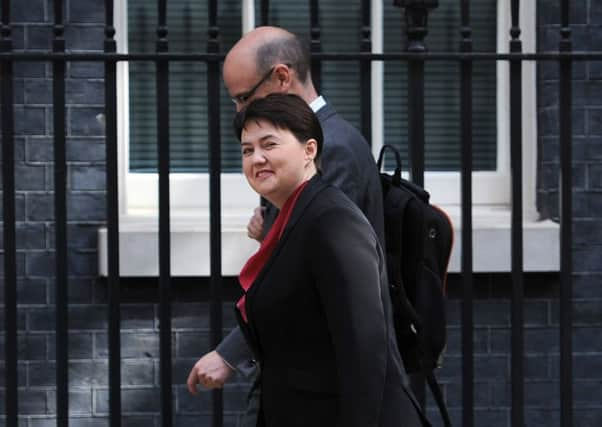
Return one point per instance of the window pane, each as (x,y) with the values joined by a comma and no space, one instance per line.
(340,26)
(187,25)
(442,87)
(340,32)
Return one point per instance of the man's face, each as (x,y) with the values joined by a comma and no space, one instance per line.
(245,86)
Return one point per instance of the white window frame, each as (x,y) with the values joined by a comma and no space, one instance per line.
(139,191)
(491,189)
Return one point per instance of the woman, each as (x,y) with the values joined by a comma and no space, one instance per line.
(316,310)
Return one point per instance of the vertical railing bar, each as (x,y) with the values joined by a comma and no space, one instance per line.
(416,120)
(315,43)
(566,314)
(366,74)
(113,285)
(60,218)
(466,119)
(265,12)
(517,412)
(416,18)
(164,219)
(416,93)
(8,205)
(214,120)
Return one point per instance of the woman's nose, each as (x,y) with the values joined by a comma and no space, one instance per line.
(258,156)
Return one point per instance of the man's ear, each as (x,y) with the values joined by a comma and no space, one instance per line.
(284,76)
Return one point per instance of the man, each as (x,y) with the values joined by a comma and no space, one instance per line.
(264,61)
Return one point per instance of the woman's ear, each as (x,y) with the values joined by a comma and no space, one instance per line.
(311,149)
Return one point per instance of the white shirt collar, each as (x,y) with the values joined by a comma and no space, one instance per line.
(317,103)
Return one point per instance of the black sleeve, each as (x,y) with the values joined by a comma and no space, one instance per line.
(236,353)
(269,216)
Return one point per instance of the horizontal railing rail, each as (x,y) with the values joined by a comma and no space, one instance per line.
(325,56)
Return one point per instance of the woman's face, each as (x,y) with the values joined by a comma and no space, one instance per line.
(274,161)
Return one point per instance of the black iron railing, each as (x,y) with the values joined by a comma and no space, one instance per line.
(416,14)
(213,85)
(112,179)
(566,215)
(466,73)
(8,205)
(60,215)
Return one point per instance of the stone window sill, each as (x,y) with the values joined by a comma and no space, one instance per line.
(190,243)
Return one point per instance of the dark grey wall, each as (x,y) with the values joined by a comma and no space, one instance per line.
(586,20)
(87,293)
(88,367)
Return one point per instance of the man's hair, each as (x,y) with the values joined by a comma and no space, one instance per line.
(283,111)
(284,49)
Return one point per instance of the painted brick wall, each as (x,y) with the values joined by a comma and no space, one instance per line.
(140,367)
(586,20)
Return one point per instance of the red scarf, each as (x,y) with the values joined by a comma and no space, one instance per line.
(255,264)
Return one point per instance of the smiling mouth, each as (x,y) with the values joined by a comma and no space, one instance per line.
(263,174)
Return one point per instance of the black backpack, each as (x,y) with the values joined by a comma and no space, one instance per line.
(418,243)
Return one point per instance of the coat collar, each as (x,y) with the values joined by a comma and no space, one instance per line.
(314,186)
(326,112)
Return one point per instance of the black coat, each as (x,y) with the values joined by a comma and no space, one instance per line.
(320,322)
(348,164)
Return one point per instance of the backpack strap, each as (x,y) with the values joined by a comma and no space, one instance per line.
(381,157)
(395,181)
(429,375)
(438,395)
(423,419)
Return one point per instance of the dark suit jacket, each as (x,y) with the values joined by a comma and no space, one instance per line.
(320,322)
(347,163)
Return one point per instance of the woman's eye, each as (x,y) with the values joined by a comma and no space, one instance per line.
(247,151)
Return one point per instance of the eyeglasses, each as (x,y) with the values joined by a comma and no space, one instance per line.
(245,96)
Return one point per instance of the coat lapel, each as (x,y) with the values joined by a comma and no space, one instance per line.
(314,186)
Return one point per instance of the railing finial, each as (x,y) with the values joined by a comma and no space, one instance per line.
(416,17)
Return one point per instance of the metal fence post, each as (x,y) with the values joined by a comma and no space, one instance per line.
(566,219)
(163,153)
(60,218)
(366,74)
(113,283)
(215,215)
(315,43)
(466,118)
(416,19)
(8,208)
(517,303)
